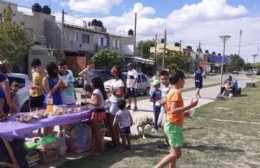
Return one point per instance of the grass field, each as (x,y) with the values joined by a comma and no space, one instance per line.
(222,134)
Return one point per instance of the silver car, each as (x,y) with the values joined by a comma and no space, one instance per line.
(143,83)
(22,95)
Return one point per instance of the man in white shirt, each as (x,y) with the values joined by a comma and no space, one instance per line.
(131,83)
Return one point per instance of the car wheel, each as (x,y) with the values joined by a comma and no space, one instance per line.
(147,91)
(26,107)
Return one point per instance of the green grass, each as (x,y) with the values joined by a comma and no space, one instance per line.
(208,142)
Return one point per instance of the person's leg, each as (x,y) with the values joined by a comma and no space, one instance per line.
(170,159)
(129,98)
(156,116)
(111,127)
(123,137)
(97,141)
(117,136)
(128,142)
(134,94)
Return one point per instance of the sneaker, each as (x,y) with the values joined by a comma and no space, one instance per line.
(128,107)
(153,130)
(135,109)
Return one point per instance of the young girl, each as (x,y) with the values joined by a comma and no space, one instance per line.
(98,115)
(51,85)
(124,119)
(116,93)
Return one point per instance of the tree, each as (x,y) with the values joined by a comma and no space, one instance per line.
(174,60)
(143,48)
(106,59)
(236,63)
(15,43)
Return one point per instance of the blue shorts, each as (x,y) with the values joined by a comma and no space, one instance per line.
(131,93)
(124,131)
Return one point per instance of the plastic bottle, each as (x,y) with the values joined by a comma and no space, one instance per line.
(49,103)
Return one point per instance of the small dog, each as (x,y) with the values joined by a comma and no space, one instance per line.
(142,121)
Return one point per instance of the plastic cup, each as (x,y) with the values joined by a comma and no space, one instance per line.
(191,112)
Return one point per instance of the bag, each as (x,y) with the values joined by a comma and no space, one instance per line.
(79,138)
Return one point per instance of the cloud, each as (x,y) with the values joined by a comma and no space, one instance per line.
(89,6)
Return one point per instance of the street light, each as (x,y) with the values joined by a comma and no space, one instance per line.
(224,39)
(254,55)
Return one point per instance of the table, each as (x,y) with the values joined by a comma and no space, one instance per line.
(13,129)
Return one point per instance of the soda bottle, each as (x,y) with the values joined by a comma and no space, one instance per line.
(49,103)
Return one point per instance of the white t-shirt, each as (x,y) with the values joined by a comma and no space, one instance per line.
(164,90)
(132,75)
(67,94)
(99,93)
(115,86)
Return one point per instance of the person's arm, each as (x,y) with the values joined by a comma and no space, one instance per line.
(136,79)
(7,91)
(115,120)
(176,110)
(95,101)
(131,118)
(46,86)
(82,73)
(152,97)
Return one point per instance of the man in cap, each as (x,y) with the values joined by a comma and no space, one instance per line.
(131,83)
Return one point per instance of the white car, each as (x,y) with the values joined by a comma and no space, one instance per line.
(143,83)
(22,95)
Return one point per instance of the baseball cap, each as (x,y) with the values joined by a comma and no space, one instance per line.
(156,82)
(130,65)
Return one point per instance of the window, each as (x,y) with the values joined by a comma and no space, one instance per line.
(102,41)
(20,81)
(85,38)
(73,36)
(118,44)
(114,43)
(144,79)
(139,79)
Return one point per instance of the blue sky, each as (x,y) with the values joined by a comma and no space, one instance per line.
(191,21)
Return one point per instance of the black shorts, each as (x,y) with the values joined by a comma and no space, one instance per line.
(131,93)
(36,102)
(124,131)
(198,85)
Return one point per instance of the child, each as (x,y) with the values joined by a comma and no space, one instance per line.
(124,120)
(174,121)
(98,115)
(156,97)
(13,105)
(164,87)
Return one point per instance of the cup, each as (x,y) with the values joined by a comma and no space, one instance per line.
(191,112)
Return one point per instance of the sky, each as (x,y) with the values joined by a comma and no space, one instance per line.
(192,22)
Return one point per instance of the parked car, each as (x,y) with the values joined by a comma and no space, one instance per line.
(254,71)
(102,73)
(248,73)
(22,95)
(143,83)
(235,72)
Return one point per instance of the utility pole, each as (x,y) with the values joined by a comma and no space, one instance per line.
(164,48)
(180,45)
(155,49)
(240,34)
(62,33)
(135,33)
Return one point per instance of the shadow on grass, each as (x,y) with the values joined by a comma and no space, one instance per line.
(192,128)
(203,148)
(113,156)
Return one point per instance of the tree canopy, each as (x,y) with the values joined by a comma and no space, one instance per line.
(236,62)
(15,43)
(143,48)
(174,60)
(106,59)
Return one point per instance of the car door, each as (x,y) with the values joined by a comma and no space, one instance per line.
(139,84)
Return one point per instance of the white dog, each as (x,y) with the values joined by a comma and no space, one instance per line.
(142,121)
